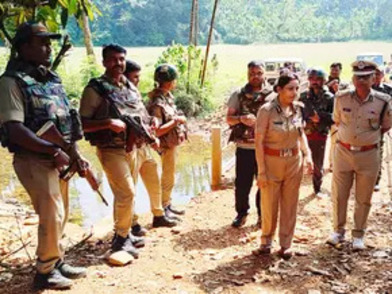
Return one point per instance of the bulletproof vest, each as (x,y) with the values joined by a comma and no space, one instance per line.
(384,88)
(323,105)
(176,135)
(44,101)
(249,103)
(125,99)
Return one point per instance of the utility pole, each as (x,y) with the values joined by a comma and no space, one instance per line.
(209,43)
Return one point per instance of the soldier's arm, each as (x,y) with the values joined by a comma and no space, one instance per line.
(89,104)
(163,129)
(232,117)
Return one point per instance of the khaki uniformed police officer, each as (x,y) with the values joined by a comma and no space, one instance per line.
(170,131)
(145,164)
(279,141)
(99,108)
(30,96)
(361,116)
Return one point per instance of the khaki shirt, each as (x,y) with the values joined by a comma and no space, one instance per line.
(360,123)
(278,130)
(234,102)
(11,101)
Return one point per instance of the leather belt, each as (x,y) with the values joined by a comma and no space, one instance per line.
(281,152)
(358,148)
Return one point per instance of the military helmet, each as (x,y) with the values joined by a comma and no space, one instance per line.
(165,73)
(317,72)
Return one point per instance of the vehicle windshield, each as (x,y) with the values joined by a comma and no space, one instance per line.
(375,58)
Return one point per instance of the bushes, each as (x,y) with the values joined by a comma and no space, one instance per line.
(190,97)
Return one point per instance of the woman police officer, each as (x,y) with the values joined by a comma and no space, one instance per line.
(279,140)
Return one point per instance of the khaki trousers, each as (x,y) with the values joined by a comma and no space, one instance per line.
(168,157)
(146,165)
(49,196)
(118,165)
(333,134)
(364,166)
(284,176)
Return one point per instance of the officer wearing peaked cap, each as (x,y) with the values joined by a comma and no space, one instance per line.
(362,116)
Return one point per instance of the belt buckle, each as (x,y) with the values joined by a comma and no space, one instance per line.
(286,152)
(355,148)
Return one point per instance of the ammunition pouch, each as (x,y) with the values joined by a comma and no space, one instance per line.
(106,139)
(242,133)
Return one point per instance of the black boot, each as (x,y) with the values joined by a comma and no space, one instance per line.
(138,242)
(170,215)
(138,231)
(239,220)
(52,280)
(175,210)
(120,243)
(163,221)
(71,272)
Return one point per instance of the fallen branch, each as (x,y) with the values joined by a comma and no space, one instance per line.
(81,242)
(15,251)
(21,238)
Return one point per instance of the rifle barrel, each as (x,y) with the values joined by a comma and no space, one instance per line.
(102,197)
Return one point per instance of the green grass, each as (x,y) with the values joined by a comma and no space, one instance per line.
(232,60)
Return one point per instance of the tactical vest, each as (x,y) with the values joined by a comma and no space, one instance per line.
(323,105)
(43,102)
(176,135)
(126,99)
(249,103)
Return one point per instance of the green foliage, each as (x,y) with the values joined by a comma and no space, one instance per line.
(190,97)
(74,81)
(54,13)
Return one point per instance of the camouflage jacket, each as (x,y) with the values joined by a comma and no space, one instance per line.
(321,104)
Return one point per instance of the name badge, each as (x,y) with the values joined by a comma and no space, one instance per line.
(347,109)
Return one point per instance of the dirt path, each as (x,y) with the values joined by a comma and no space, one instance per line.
(206,255)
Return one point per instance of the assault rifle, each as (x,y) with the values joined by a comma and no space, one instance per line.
(50,133)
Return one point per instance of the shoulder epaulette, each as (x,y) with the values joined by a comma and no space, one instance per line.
(344,93)
(381,96)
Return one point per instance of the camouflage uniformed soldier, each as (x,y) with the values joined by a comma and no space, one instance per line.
(106,103)
(279,141)
(380,86)
(171,131)
(31,96)
(334,83)
(318,108)
(241,114)
(145,163)
(361,116)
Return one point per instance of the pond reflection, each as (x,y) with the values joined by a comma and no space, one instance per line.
(192,177)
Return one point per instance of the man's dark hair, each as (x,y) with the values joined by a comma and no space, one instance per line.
(336,64)
(255,63)
(112,47)
(132,66)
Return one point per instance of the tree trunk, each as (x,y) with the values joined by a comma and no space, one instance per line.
(87,36)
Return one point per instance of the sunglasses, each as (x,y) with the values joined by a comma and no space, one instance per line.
(365,77)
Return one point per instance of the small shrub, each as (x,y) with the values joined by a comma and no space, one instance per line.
(191,98)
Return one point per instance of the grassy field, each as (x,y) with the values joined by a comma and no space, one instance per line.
(232,60)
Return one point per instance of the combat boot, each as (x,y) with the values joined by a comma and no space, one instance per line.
(52,280)
(138,231)
(175,210)
(71,272)
(163,221)
(120,243)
